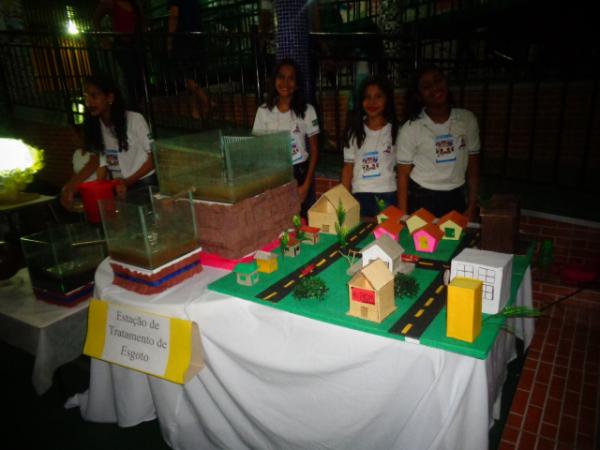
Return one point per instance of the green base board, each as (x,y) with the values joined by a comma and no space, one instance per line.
(333,309)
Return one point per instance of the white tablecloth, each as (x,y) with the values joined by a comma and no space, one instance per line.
(54,334)
(278,380)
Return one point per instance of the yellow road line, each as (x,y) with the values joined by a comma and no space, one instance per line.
(353,238)
(301,275)
(407,328)
(439,289)
(289,283)
(429,301)
(320,263)
(419,313)
(333,254)
(423,263)
(362,231)
(272,294)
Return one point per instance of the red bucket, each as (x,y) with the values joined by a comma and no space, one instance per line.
(91,192)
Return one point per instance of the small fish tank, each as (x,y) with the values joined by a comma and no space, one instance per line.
(64,258)
(149,229)
(224,165)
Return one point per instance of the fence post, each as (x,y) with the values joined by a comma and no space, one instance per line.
(63,78)
(258,61)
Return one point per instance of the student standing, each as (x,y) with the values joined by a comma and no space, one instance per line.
(286,110)
(438,150)
(121,138)
(369,147)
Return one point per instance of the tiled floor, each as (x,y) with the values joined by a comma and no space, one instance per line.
(556,405)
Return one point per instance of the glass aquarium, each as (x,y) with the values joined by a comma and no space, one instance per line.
(148,229)
(64,258)
(223,166)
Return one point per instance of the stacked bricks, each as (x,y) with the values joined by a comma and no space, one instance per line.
(233,231)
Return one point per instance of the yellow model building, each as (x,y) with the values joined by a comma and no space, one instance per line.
(464,309)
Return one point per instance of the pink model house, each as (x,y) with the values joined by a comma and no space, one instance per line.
(388,228)
(427,238)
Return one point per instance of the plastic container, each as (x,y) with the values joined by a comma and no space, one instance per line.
(63,259)
(223,166)
(93,191)
(149,230)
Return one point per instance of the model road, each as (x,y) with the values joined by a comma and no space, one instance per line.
(279,290)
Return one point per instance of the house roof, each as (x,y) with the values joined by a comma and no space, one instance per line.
(377,274)
(260,254)
(246,268)
(388,245)
(308,229)
(392,213)
(337,193)
(432,230)
(392,226)
(455,217)
(424,214)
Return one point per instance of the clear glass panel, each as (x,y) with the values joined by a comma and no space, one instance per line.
(64,258)
(149,230)
(223,166)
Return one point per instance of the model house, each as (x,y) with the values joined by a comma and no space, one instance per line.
(427,238)
(246,273)
(292,248)
(266,261)
(384,249)
(390,229)
(452,225)
(419,219)
(323,214)
(371,292)
(493,269)
(463,319)
(311,234)
(391,213)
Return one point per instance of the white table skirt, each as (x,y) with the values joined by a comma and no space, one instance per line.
(278,380)
(53,334)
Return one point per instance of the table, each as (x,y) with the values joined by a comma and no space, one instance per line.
(53,334)
(278,380)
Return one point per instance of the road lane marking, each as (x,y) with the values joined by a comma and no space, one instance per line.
(407,328)
(320,263)
(333,254)
(419,313)
(289,283)
(423,263)
(353,238)
(429,301)
(439,289)
(272,294)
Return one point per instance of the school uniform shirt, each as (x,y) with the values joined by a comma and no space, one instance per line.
(300,129)
(123,164)
(439,152)
(373,162)
(80,159)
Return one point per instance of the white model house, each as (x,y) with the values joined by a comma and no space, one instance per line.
(492,268)
(385,249)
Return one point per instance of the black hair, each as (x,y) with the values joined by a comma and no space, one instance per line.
(413,104)
(92,131)
(298,102)
(356,121)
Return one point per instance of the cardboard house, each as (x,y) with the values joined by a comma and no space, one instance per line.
(390,229)
(391,213)
(371,292)
(384,249)
(323,213)
(419,219)
(292,248)
(452,225)
(266,261)
(463,310)
(246,273)
(493,269)
(427,238)
(311,234)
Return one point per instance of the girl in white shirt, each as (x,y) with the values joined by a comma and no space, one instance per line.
(369,147)
(438,150)
(286,110)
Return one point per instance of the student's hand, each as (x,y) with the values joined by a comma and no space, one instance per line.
(66,197)
(303,192)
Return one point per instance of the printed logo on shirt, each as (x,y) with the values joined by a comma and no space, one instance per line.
(461,143)
(444,148)
(112,162)
(296,129)
(296,155)
(388,150)
(370,165)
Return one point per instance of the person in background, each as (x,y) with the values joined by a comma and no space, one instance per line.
(121,138)
(369,147)
(437,150)
(126,17)
(287,110)
(187,51)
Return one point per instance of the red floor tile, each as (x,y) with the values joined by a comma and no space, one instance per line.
(527,440)
(538,395)
(520,401)
(526,381)
(567,429)
(510,434)
(548,431)
(544,372)
(532,419)
(514,420)
(557,387)
(545,444)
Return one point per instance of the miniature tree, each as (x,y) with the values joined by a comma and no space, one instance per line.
(311,288)
(405,285)
(381,205)
(297,222)
(341,231)
(284,239)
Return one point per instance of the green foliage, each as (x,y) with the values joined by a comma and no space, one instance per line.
(341,213)
(341,231)
(381,205)
(405,285)
(283,242)
(297,222)
(520,311)
(310,288)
